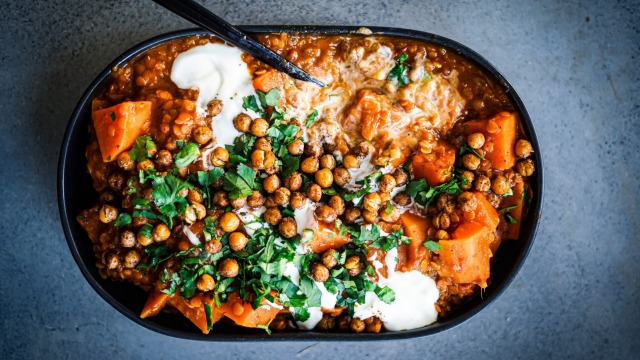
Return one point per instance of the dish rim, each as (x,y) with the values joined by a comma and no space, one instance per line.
(535,209)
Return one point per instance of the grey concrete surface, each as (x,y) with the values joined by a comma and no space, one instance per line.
(575,64)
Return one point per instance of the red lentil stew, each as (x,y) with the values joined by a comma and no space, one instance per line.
(231,192)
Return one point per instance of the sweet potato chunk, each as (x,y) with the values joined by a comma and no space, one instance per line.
(193,309)
(435,167)
(118,127)
(514,200)
(244,315)
(156,301)
(326,238)
(500,138)
(415,227)
(486,214)
(465,258)
(269,80)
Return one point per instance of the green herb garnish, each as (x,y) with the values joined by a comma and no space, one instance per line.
(400,71)
(188,154)
(141,147)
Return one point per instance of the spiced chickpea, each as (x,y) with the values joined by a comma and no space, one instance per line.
(262,144)
(468,176)
(402,199)
(313,149)
(229,222)
(445,203)
(201,210)
(219,156)
(205,283)
(475,140)
(108,213)
(500,185)
(214,107)
(282,196)
(400,176)
(143,239)
(297,200)
(194,196)
(309,165)
(525,167)
(228,268)
(270,201)
(353,265)
(256,199)
(482,183)
(202,134)
(242,123)
(387,183)
(259,127)
(220,199)
(108,197)
(341,176)
(370,217)
(351,214)
(112,261)
(293,182)
(237,241)
(351,162)
(116,180)
(364,148)
(467,201)
(296,147)
(314,192)
(271,183)
(374,325)
(327,161)
(189,215)
(442,235)
(337,203)
(161,232)
(127,239)
(273,216)
(288,227)
(470,161)
(213,246)
(356,325)
(238,203)
(329,258)
(324,178)
(327,323)
(319,272)
(125,162)
(371,202)
(390,215)
(146,164)
(131,259)
(441,221)
(523,148)
(343,322)
(326,214)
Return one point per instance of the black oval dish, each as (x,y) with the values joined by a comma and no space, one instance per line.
(75,193)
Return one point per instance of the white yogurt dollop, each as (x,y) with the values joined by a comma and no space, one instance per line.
(218,72)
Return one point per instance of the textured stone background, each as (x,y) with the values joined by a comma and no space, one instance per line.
(575,65)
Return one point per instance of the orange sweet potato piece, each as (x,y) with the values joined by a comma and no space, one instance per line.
(193,309)
(486,214)
(436,166)
(118,127)
(269,80)
(326,238)
(465,258)
(516,199)
(500,138)
(415,227)
(155,303)
(244,315)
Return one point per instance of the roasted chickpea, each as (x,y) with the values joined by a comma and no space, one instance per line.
(442,235)
(127,239)
(467,201)
(116,180)
(228,268)
(390,215)
(146,164)
(402,199)
(356,325)
(324,178)
(256,199)
(273,216)
(125,162)
(214,107)
(327,323)
(441,221)
(400,176)
(229,222)
(298,200)
(271,183)
(259,127)
(183,193)
(351,214)
(282,196)
(112,261)
(189,215)
(330,258)
(525,167)
(220,199)
(309,165)
(370,217)
(523,148)
(107,197)
(262,144)
(327,161)
(108,213)
(351,162)
(313,149)
(143,239)
(372,202)
(475,140)
(445,203)
(219,156)
(288,227)
(319,272)
(270,201)
(242,123)
(470,161)
(202,134)
(205,283)
(161,232)
(500,185)
(364,148)
(353,265)
(387,183)
(262,160)
(201,210)
(213,246)
(296,147)
(373,325)
(337,203)
(482,183)
(314,192)
(293,182)
(194,196)
(326,214)
(238,203)
(343,322)
(341,176)
(131,259)
(468,175)
(237,241)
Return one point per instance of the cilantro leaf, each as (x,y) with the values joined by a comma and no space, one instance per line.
(188,154)
(467,149)
(250,103)
(207,311)
(416,186)
(146,230)
(311,290)
(432,245)
(239,182)
(510,219)
(122,220)
(270,98)
(141,147)
(290,164)
(301,313)
(389,208)
(508,208)
(155,255)
(386,294)
(311,118)
(400,72)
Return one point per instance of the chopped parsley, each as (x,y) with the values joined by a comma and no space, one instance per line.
(188,154)
(510,219)
(508,208)
(123,219)
(311,118)
(112,115)
(425,195)
(467,149)
(432,245)
(400,72)
(239,182)
(140,150)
